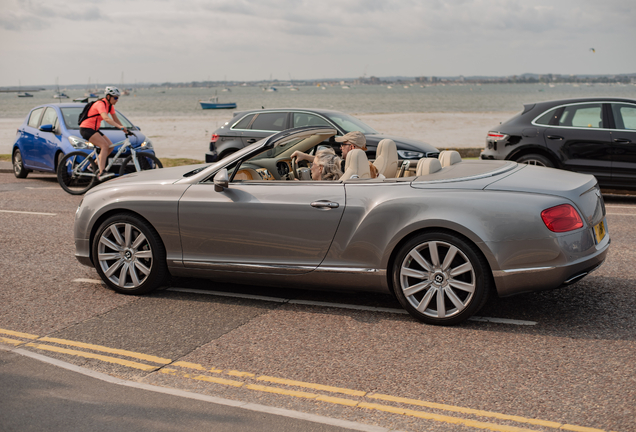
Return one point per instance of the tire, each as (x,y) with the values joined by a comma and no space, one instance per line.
(129,255)
(18,166)
(437,263)
(535,159)
(146,161)
(72,178)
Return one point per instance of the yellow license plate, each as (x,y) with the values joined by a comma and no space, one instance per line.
(600,231)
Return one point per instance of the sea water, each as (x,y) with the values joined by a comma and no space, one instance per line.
(363,99)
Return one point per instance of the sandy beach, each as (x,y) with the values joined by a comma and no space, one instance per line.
(189,137)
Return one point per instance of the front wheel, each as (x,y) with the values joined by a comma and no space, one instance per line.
(77,173)
(146,161)
(129,255)
(439,278)
(535,159)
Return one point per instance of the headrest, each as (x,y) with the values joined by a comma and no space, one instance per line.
(426,166)
(449,157)
(356,163)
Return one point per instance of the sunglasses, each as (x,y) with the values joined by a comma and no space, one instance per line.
(114,97)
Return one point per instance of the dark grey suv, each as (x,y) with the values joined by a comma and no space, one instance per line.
(592,136)
(250,126)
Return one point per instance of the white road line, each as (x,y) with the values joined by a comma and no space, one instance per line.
(318,303)
(200,397)
(619,206)
(622,214)
(25,212)
(56,188)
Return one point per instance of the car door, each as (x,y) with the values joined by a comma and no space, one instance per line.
(260,226)
(582,140)
(48,143)
(28,139)
(265,124)
(624,145)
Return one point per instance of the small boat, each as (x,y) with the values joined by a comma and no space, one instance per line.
(60,96)
(213,103)
(270,89)
(25,94)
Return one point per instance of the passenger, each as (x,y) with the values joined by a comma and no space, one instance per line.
(351,141)
(326,166)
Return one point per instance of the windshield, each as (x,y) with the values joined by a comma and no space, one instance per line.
(71,115)
(350,124)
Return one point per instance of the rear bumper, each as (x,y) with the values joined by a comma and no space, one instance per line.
(516,281)
(211,156)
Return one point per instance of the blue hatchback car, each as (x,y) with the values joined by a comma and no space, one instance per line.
(50,131)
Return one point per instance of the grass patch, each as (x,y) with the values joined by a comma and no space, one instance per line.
(5,157)
(173,162)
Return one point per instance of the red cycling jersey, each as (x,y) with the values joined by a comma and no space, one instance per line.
(100,106)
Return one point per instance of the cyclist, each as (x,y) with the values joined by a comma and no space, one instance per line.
(89,128)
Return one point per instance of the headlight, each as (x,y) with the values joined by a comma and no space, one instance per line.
(406,154)
(78,142)
(147,144)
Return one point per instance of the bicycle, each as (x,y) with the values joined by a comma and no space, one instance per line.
(77,171)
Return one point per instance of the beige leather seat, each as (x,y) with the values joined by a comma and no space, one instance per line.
(356,164)
(426,166)
(449,157)
(386,158)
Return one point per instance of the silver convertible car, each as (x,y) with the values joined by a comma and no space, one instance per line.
(441,236)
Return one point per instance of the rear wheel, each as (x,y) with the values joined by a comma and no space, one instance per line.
(129,255)
(76,173)
(535,159)
(18,166)
(440,278)
(146,161)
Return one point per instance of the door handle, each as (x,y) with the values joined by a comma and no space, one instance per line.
(251,141)
(622,140)
(555,137)
(325,204)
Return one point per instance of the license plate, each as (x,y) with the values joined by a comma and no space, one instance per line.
(117,161)
(600,231)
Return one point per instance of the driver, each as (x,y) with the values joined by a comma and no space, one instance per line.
(351,141)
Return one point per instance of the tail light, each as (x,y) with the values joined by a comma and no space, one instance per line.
(562,218)
(214,138)
(495,136)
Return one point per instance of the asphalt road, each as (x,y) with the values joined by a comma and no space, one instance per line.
(563,359)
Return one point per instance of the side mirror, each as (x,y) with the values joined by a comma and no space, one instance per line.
(46,128)
(221,180)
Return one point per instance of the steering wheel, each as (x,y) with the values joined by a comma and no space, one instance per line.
(294,165)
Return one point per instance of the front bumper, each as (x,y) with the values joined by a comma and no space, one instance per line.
(82,252)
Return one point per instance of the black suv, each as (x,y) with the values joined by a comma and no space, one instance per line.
(248,127)
(592,136)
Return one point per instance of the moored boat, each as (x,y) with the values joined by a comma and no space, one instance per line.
(213,103)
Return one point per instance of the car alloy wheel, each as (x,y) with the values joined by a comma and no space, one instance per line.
(18,167)
(129,255)
(439,278)
(536,159)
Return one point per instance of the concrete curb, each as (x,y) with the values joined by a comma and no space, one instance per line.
(6,167)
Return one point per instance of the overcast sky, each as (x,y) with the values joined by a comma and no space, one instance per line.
(245,40)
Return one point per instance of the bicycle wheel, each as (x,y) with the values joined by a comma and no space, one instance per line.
(146,161)
(77,173)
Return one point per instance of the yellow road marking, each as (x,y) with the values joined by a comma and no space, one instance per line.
(93,356)
(18,334)
(311,385)
(293,393)
(11,341)
(457,409)
(240,374)
(444,419)
(126,353)
(206,378)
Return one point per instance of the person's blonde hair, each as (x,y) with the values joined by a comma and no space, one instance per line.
(331,164)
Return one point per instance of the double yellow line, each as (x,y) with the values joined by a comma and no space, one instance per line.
(250,381)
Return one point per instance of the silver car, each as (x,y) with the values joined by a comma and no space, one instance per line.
(440,242)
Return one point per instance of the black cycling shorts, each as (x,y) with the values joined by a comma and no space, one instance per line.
(87,133)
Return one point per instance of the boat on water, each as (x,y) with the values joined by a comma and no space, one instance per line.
(25,94)
(60,96)
(213,103)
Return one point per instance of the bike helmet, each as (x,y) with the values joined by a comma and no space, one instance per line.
(113,91)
